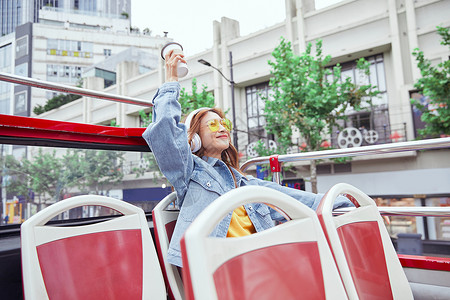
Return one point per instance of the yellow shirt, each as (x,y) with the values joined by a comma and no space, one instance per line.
(240,224)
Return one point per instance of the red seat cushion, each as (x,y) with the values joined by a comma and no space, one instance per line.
(287,271)
(363,248)
(105,265)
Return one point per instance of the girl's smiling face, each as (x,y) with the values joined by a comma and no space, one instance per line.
(214,143)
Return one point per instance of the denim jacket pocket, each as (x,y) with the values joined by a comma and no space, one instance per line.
(198,197)
(262,214)
(206,181)
(261,209)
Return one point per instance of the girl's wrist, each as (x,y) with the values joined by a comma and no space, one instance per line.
(171,79)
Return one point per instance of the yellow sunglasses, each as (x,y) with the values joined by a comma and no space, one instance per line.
(214,124)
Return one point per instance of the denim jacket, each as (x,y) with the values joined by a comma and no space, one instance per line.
(199,181)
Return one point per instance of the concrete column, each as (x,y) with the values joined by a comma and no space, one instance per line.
(217,40)
(229,30)
(290,7)
(226,95)
(161,66)
(412,37)
(402,107)
(431,222)
(124,71)
(395,41)
(91,83)
(300,26)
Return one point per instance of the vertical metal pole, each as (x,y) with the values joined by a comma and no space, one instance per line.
(1,187)
(425,220)
(404,131)
(275,168)
(233,106)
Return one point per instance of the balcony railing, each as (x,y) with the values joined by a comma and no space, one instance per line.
(352,152)
(353,137)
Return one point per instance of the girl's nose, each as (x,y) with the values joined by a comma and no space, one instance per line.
(222,128)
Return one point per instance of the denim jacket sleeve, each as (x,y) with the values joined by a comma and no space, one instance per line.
(309,199)
(167,138)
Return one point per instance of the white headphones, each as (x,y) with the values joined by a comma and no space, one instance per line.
(196,142)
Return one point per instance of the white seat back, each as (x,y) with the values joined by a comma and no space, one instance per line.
(113,259)
(366,258)
(164,221)
(289,261)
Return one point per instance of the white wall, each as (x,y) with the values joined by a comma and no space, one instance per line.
(349,30)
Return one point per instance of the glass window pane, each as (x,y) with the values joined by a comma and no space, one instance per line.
(361,78)
(262,121)
(72,172)
(252,122)
(373,75)
(381,76)
(261,104)
(380,100)
(254,105)
(347,73)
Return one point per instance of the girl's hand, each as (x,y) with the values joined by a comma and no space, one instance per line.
(172,59)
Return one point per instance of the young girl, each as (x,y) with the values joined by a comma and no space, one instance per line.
(200,162)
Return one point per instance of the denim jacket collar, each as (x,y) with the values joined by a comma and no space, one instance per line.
(215,161)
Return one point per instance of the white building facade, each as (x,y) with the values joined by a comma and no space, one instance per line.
(385,32)
(57,40)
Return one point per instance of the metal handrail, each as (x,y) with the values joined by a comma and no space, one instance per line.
(357,151)
(422,211)
(37,83)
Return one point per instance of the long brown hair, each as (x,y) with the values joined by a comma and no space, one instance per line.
(229,156)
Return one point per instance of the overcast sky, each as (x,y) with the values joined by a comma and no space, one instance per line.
(189,22)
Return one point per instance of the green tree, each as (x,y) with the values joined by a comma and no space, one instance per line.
(434,85)
(44,172)
(55,102)
(188,102)
(304,98)
(50,176)
(15,177)
(92,170)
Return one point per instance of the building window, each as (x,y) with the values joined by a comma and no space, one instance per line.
(255,99)
(11,15)
(22,47)
(373,125)
(69,48)
(107,52)
(377,76)
(20,103)
(255,104)
(5,88)
(64,73)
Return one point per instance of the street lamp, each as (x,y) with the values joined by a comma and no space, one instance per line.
(204,62)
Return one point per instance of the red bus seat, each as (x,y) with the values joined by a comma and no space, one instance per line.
(289,261)
(164,221)
(114,259)
(364,254)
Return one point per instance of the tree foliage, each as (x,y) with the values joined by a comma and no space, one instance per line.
(435,86)
(49,177)
(55,102)
(307,97)
(188,102)
(92,171)
(44,171)
(14,176)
